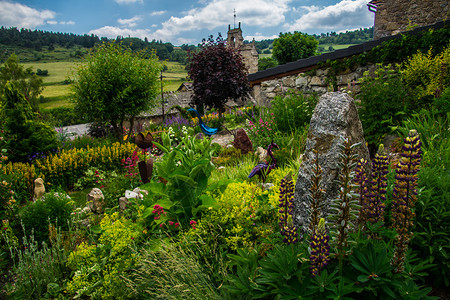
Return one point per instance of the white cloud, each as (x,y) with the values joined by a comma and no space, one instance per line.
(130,22)
(52,22)
(129,1)
(259,37)
(344,15)
(18,15)
(113,32)
(219,13)
(158,13)
(67,23)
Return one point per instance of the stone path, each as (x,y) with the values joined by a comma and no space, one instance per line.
(222,138)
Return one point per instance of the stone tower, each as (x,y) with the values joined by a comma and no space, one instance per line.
(248,51)
(394,16)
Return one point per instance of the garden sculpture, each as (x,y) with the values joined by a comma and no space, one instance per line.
(206,130)
(263,169)
(145,167)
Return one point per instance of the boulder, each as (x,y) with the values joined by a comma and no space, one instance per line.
(242,141)
(123,203)
(335,117)
(96,201)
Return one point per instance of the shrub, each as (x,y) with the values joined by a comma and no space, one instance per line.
(293,110)
(55,208)
(384,102)
(40,269)
(62,116)
(261,130)
(24,133)
(427,76)
(98,268)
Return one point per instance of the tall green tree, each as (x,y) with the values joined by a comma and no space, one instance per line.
(27,83)
(25,134)
(293,46)
(218,73)
(115,84)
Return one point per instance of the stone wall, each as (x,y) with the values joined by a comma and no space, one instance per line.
(394,16)
(319,83)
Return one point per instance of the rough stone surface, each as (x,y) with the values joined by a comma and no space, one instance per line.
(394,16)
(96,201)
(242,141)
(334,117)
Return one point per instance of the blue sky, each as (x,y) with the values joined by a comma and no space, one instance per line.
(188,21)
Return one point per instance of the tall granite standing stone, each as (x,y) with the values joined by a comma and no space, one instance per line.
(335,117)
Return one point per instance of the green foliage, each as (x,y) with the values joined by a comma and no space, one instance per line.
(40,269)
(62,116)
(24,80)
(185,169)
(262,128)
(24,133)
(115,85)
(55,208)
(431,238)
(265,63)
(384,102)
(98,268)
(427,76)
(293,110)
(375,273)
(170,272)
(293,46)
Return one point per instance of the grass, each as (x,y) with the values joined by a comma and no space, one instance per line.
(56,91)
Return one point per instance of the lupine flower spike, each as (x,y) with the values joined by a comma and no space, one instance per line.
(320,249)
(286,208)
(404,197)
(374,208)
(362,188)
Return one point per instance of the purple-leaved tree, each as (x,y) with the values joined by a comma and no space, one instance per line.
(218,73)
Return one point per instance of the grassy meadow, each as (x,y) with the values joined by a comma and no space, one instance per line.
(56,88)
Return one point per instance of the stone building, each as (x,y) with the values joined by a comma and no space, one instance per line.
(395,16)
(248,51)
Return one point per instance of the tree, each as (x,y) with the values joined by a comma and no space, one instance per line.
(25,135)
(116,84)
(218,74)
(27,83)
(266,63)
(293,46)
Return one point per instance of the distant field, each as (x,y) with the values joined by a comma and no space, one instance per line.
(56,91)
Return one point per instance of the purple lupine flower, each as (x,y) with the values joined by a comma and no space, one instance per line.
(286,205)
(320,249)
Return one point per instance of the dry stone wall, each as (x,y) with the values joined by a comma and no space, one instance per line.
(320,82)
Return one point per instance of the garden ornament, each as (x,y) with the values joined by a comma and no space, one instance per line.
(263,169)
(206,130)
(145,167)
(39,188)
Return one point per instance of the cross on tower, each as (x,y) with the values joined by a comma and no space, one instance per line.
(234,11)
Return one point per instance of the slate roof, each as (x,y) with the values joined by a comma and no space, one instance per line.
(306,64)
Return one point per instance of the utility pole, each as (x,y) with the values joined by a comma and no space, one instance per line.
(162,98)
